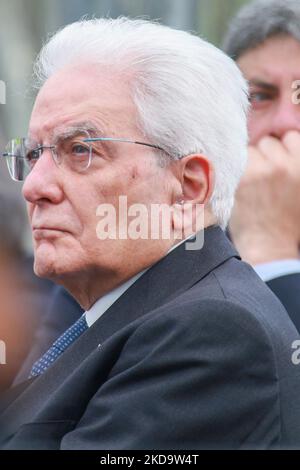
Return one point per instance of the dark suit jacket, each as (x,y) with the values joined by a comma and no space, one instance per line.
(287,289)
(195,354)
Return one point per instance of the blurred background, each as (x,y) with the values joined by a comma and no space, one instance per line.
(26,23)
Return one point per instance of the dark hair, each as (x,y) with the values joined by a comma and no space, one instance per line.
(259,20)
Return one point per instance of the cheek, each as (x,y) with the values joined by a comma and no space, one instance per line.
(257,126)
(134,174)
(88,222)
(103,191)
(29,209)
(139,182)
(81,204)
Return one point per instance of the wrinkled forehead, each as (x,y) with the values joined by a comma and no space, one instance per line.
(85,93)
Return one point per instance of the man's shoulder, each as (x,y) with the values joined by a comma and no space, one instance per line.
(230,300)
(240,284)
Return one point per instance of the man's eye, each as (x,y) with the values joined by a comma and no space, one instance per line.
(259,97)
(80,150)
(32,156)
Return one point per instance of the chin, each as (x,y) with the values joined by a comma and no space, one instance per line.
(46,261)
(44,269)
(54,262)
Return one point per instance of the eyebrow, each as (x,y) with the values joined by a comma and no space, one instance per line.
(72,129)
(261,84)
(75,128)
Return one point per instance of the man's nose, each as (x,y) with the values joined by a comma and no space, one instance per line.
(43,182)
(285,118)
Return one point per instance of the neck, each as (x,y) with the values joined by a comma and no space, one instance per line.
(87,287)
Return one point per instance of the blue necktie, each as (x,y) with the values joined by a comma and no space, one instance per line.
(59,346)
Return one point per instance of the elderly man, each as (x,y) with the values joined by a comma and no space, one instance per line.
(264,39)
(177,348)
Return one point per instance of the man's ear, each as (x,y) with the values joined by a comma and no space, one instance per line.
(197,179)
(195,184)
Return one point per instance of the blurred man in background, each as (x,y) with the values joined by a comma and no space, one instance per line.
(264,39)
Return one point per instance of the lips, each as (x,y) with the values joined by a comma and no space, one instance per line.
(40,232)
(49,228)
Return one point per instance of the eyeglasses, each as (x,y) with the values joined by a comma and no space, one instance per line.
(72,152)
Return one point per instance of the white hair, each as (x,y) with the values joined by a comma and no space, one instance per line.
(190,97)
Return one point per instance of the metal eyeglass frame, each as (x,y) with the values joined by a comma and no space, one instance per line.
(116,139)
(89,139)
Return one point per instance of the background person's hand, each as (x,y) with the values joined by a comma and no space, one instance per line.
(265,222)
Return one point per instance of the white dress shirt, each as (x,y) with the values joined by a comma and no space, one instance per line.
(273,269)
(102,304)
